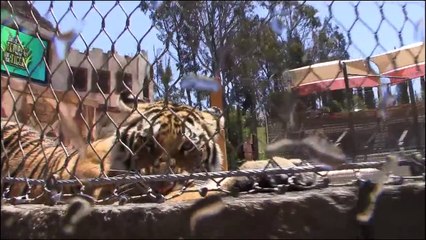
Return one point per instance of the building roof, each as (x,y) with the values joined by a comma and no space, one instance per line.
(407,62)
(23,9)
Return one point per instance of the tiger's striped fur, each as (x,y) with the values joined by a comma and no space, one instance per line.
(155,134)
(184,140)
(25,155)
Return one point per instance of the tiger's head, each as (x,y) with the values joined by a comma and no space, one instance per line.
(169,138)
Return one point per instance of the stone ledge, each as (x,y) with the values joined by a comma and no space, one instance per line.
(324,213)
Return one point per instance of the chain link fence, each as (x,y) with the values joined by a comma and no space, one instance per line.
(226,83)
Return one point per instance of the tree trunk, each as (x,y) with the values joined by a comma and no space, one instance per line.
(403,92)
(188,94)
(326,98)
(253,127)
(360,93)
(369,98)
(240,125)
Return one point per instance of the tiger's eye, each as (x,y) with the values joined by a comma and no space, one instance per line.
(187,146)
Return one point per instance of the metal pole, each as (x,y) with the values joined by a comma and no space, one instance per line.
(350,103)
(266,128)
(415,114)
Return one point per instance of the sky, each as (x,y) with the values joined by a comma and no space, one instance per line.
(394,28)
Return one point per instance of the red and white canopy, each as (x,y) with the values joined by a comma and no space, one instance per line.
(403,63)
(329,76)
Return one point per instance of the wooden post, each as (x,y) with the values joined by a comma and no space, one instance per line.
(216,99)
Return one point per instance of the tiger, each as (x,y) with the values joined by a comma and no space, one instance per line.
(156,137)
(25,154)
(185,141)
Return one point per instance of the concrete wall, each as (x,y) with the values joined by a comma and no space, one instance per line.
(138,67)
(315,214)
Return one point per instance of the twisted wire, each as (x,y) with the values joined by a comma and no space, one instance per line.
(196,176)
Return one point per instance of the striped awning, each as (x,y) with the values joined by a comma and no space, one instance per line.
(329,76)
(402,64)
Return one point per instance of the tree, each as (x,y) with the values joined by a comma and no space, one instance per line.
(200,31)
(329,44)
(228,39)
(308,41)
(164,80)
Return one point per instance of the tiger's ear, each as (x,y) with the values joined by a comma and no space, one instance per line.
(124,102)
(215,111)
(218,114)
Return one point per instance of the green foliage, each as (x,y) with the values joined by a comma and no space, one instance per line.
(236,134)
(165,76)
(235,125)
(330,44)
(358,104)
(335,106)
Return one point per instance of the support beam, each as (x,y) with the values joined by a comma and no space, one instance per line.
(216,99)
(350,103)
(414,113)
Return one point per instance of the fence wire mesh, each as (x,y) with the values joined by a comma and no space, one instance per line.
(225,84)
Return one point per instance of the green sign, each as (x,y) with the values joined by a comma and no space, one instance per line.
(23,56)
